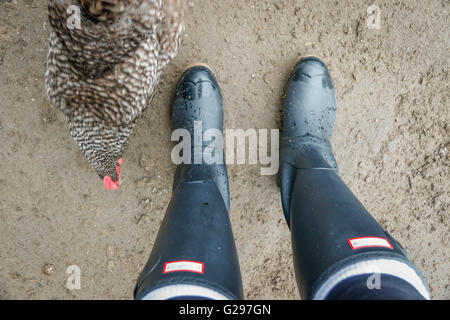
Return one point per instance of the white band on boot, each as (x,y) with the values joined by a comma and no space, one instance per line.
(377,266)
(184,290)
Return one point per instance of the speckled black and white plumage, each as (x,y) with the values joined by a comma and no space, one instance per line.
(103,75)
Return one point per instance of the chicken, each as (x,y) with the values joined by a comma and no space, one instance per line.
(102,72)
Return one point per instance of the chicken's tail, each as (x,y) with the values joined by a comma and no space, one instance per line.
(170,30)
(103,10)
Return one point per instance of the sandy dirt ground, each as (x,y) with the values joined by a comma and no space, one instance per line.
(391,141)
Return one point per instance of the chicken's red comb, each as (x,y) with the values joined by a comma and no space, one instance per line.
(108,181)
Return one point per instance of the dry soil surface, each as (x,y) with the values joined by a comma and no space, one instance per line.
(391,141)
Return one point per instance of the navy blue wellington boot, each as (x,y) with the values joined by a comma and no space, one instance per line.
(194,256)
(339,249)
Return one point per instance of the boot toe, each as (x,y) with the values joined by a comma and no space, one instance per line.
(197,98)
(309,113)
(311,67)
(198,107)
(197,76)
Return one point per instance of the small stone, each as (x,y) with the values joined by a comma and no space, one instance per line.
(144,182)
(49,269)
(146,203)
(110,250)
(143,219)
(111,265)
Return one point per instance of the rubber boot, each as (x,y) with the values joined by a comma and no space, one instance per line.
(194,256)
(339,250)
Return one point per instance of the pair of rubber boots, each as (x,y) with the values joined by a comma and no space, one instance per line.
(334,239)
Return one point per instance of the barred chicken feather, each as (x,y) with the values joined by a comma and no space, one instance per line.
(104,61)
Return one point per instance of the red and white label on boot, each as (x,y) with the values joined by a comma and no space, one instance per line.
(369,242)
(184,266)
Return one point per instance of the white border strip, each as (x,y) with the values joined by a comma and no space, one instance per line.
(377,266)
(184,290)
